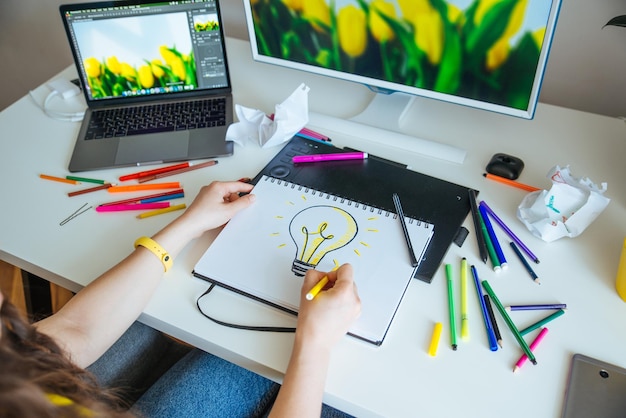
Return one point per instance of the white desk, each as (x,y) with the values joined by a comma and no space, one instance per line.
(398,378)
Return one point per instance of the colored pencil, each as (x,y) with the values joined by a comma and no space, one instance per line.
(89,190)
(491,336)
(85,179)
(537,307)
(140,198)
(533,347)
(451,307)
(509,322)
(509,232)
(140,187)
(480,238)
(133,206)
(542,322)
(59,179)
(511,182)
(161,211)
(527,266)
(492,318)
(494,239)
(153,172)
(191,167)
(162,198)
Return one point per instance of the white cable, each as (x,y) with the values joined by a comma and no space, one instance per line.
(58,89)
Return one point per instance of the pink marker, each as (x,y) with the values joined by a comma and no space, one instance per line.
(329,157)
(532,347)
(132,206)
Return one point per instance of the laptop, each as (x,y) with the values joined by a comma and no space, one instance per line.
(594,389)
(155,79)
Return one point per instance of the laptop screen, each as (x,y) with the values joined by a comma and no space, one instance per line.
(143,49)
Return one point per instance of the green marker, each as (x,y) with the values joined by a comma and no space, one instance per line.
(451,307)
(495,261)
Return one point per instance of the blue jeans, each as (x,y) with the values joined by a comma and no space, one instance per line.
(203,385)
(197,384)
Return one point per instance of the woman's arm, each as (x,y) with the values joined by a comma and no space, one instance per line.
(322,322)
(100,313)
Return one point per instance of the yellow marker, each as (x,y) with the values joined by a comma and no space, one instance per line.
(161,211)
(464,318)
(317,288)
(434,341)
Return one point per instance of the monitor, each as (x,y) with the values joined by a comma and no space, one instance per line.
(486,54)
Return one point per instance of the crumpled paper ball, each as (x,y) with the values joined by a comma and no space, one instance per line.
(565,210)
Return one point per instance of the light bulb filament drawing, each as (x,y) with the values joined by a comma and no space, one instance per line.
(318,230)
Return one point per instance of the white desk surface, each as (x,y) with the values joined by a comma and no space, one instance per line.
(398,378)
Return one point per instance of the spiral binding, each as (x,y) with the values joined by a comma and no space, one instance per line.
(342,200)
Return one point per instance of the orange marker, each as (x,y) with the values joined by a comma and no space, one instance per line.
(140,187)
(513,183)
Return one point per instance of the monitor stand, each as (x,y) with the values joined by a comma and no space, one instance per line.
(380,122)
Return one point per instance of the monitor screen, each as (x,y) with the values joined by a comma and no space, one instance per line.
(487,54)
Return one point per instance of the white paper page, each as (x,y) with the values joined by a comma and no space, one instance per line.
(255,251)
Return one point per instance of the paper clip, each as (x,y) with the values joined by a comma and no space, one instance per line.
(78,211)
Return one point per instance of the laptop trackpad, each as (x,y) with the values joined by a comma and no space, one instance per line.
(166,146)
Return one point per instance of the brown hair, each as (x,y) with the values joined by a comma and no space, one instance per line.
(33,366)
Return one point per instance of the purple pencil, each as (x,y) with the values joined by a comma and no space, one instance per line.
(509,232)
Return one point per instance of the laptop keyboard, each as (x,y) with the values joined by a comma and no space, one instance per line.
(166,117)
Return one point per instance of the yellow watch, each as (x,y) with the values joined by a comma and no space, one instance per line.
(157,250)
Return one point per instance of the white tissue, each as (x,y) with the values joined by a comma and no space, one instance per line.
(566,210)
(290,117)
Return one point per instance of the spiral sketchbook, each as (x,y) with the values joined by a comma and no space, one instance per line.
(264,251)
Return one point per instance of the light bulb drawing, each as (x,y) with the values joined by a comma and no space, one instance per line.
(318,230)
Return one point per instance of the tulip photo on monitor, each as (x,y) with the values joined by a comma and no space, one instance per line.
(483,50)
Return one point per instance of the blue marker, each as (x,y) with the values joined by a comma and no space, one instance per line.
(491,336)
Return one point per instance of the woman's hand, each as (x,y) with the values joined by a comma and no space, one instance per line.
(215,205)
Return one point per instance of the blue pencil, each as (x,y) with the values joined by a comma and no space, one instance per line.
(491,336)
(162,198)
(493,237)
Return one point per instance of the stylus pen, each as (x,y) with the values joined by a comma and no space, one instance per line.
(398,205)
(493,238)
(480,238)
(451,307)
(509,322)
(491,336)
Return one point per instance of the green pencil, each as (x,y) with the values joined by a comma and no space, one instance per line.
(509,322)
(86,180)
(451,307)
(541,323)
